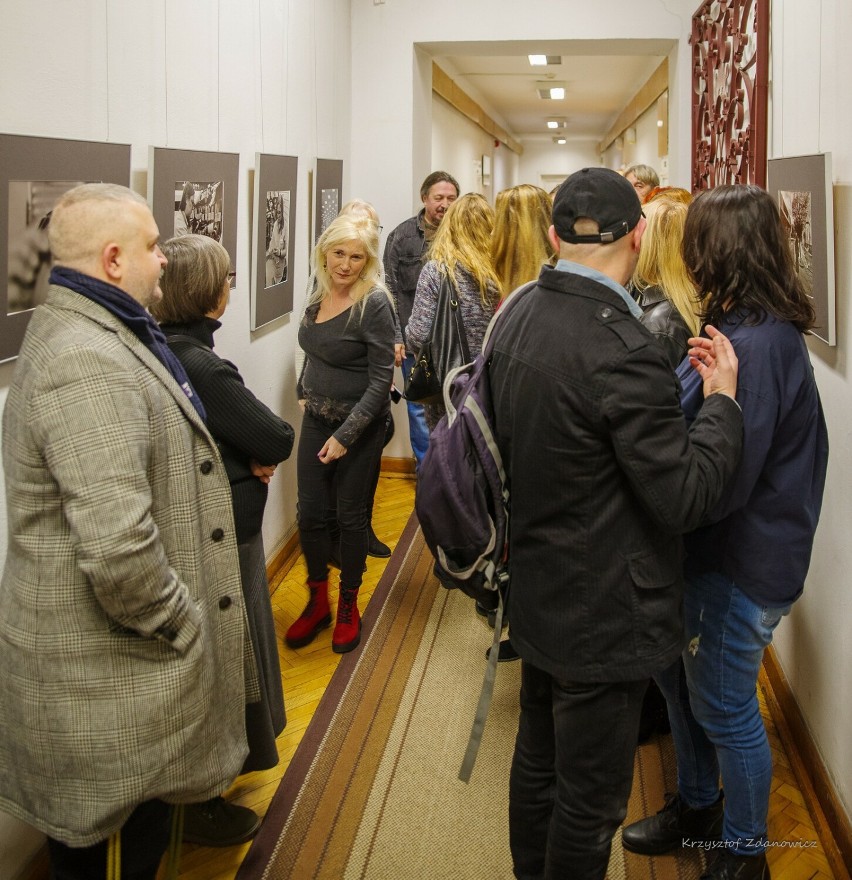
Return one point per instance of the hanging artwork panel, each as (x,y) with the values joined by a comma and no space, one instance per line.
(195,191)
(273,236)
(802,188)
(34,173)
(328,187)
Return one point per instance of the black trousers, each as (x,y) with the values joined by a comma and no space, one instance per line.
(353,477)
(144,839)
(571,774)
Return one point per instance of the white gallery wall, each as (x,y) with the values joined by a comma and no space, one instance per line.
(545,163)
(811,113)
(251,76)
(458,146)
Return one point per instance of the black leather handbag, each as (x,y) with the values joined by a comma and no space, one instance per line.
(444,350)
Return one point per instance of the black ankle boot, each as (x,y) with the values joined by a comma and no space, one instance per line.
(674,824)
(730,866)
(375,547)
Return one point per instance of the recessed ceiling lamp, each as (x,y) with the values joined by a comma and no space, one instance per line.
(560,140)
(544,60)
(552,123)
(557,123)
(554,91)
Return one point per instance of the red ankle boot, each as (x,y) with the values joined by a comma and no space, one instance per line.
(315,617)
(347,632)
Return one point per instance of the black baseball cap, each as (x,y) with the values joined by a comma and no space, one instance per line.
(599,194)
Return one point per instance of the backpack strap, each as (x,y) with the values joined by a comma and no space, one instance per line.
(487,691)
(506,307)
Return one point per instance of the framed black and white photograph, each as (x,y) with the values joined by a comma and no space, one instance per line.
(802,187)
(195,191)
(328,187)
(273,236)
(34,173)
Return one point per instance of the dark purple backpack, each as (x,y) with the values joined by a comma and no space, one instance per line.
(462,500)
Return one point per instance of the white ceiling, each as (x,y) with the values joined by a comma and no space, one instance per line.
(600,76)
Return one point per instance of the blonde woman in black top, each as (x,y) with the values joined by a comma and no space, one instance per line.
(347,334)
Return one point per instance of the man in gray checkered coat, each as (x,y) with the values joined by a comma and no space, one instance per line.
(123,639)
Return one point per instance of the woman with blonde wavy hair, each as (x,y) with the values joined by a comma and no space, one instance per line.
(460,251)
(347,334)
(664,290)
(520,245)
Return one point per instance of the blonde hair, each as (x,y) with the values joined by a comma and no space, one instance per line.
(358,209)
(193,280)
(660,259)
(342,230)
(463,241)
(520,244)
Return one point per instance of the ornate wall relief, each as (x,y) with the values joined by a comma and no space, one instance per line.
(730,60)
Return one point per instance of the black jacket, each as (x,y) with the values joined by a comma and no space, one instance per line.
(243,427)
(604,477)
(403,260)
(660,316)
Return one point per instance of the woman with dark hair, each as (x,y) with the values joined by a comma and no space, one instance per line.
(252,440)
(747,565)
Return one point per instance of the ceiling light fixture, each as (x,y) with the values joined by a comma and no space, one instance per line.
(551,90)
(544,60)
(560,140)
(552,123)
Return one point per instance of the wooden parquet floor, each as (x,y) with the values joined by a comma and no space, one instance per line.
(307,671)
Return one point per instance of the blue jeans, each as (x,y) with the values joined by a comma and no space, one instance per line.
(713,708)
(417,430)
(571,774)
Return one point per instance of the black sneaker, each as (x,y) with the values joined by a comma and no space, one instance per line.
(675,824)
(218,823)
(730,866)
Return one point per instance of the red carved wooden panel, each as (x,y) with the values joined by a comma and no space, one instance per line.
(730,61)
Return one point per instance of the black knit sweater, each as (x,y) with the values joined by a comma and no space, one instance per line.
(243,427)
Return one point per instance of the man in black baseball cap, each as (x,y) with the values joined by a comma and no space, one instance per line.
(598,195)
(604,477)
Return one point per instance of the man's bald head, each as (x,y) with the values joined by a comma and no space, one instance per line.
(86,219)
(108,232)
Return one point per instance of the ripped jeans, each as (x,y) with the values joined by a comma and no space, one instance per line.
(713,708)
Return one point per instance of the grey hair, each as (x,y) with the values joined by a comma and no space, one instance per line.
(193,280)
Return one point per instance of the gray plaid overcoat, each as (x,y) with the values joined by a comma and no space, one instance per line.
(125,660)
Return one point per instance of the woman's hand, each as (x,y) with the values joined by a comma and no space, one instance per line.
(716,362)
(331,451)
(264,472)
(398,353)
